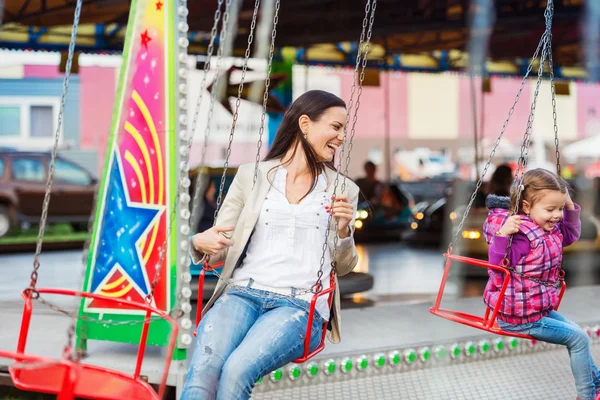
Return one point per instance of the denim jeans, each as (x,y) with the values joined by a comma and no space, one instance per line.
(244,336)
(557,329)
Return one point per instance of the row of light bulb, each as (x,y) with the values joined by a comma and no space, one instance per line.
(185,338)
(410,357)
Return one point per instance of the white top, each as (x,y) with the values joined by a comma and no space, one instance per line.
(287,243)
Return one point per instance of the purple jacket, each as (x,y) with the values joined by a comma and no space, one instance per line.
(534,252)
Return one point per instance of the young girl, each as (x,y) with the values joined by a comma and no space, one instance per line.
(547,220)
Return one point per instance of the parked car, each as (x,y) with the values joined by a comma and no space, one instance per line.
(354,282)
(23,178)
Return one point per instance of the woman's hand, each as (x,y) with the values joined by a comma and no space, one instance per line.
(213,240)
(511,226)
(343,211)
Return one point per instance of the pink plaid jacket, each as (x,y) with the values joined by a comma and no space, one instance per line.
(534,252)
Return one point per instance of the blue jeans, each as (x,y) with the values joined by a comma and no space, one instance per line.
(243,337)
(557,329)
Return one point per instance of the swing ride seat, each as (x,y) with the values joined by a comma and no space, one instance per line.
(306,355)
(488,322)
(69,379)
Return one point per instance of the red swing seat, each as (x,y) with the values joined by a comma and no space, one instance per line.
(488,322)
(311,314)
(70,379)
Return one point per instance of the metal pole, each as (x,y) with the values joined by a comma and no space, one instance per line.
(386,119)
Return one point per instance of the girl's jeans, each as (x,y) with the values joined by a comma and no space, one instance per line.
(557,329)
(245,335)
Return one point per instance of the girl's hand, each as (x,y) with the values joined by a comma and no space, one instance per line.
(569,205)
(511,226)
(213,240)
(343,211)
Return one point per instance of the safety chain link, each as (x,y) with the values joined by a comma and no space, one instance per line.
(266,93)
(550,10)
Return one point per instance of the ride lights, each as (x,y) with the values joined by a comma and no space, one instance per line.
(424,354)
(410,355)
(183,27)
(414,225)
(394,357)
(183,104)
(184,230)
(184,260)
(183,57)
(379,360)
(186,308)
(184,198)
(498,345)
(294,372)
(469,348)
(182,88)
(484,347)
(513,343)
(184,151)
(532,343)
(185,245)
(183,42)
(186,276)
(186,292)
(329,367)
(346,365)
(312,369)
(455,350)
(183,119)
(362,363)
(440,352)
(185,339)
(276,375)
(182,11)
(186,323)
(596,331)
(183,73)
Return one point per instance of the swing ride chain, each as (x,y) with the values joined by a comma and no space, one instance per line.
(213,93)
(184,163)
(522,165)
(548,15)
(493,152)
(33,293)
(266,93)
(361,79)
(237,107)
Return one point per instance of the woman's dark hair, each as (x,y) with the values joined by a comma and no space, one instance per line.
(501,181)
(312,104)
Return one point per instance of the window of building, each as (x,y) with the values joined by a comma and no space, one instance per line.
(28,121)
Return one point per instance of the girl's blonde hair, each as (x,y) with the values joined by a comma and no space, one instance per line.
(535,182)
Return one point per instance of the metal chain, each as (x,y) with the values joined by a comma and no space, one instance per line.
(548,14)
(266,93)
(213,95)
(522,165)
(185,161)
(175,311)
(38,249)
(318,286)
(237,107)
(33,293)
(493,152)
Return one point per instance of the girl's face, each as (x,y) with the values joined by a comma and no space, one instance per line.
(326,134)
(548,210)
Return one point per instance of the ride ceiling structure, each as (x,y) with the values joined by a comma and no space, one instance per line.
(429,35)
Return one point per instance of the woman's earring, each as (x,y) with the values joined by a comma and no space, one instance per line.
(305,134)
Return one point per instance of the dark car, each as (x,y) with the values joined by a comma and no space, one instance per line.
(23,178)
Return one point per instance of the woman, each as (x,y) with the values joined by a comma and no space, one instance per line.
(271,236)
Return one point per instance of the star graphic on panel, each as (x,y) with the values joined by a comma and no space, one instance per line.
(125,224)
(273,104)
(158,5)
(145,38)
